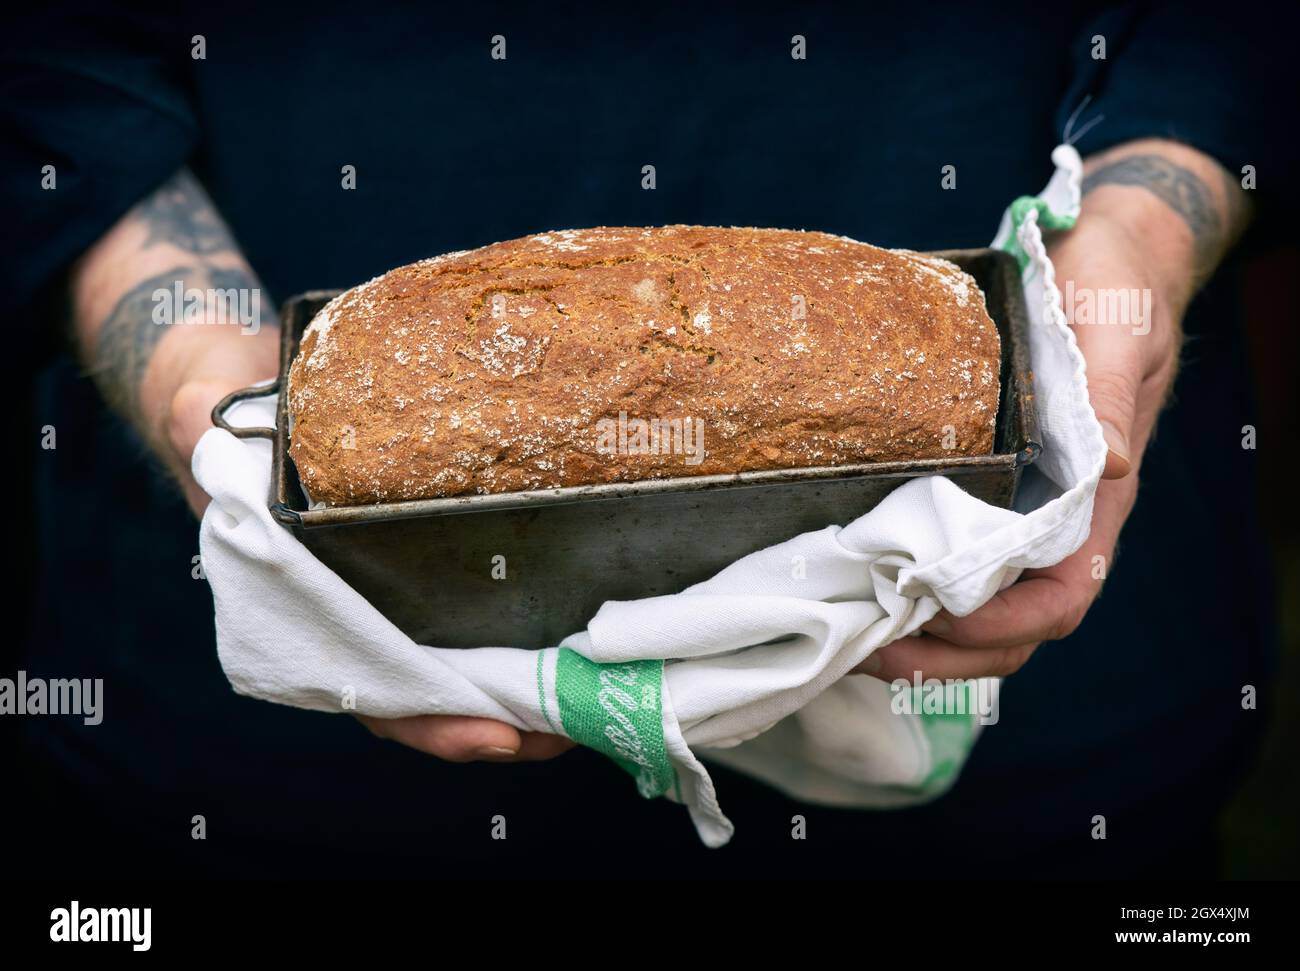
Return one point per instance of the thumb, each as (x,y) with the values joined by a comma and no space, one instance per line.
(1114,371)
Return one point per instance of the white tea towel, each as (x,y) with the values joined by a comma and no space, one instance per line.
(749,665)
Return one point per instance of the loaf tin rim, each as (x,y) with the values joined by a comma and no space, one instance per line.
(1015,363)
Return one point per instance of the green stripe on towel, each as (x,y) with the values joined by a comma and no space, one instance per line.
(617,709)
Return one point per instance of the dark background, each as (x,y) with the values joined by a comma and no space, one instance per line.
(1134,715)
(1261,833)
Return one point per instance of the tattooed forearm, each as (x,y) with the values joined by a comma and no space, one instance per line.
(127,338)
(234,278)
(126,341)
(1213,227)
(119,344)
(180,213)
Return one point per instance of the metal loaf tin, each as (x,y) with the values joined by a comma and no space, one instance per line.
(428,565)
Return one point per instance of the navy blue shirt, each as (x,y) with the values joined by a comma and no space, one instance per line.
(1136,716)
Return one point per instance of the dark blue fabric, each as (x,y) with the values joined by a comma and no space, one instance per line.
(1137,716)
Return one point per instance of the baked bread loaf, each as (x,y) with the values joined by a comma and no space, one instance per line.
(617,354)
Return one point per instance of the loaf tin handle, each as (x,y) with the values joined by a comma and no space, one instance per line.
(243,394)
(285,516)
(1027,455)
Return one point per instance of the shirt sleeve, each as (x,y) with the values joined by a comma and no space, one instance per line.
(1209,76)
(101,98)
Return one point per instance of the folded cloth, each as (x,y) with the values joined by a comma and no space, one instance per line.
(747,668)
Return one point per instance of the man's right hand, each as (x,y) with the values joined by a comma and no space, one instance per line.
(460,739)
(160,363)
(165,378)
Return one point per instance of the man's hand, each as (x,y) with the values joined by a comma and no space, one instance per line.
(457,739)
(163,363)
(1156,218)
(164,372)
(194,389)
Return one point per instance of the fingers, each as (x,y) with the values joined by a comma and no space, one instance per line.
(1047,604)
(935,658)
(455,738)
(1040,608)
(1044,605)
(450,737)
(539,746)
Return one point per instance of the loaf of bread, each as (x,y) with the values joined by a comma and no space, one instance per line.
(621,354)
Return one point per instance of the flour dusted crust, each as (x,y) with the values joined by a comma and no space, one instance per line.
(491,370)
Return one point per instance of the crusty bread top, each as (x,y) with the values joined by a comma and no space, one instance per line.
(491,370)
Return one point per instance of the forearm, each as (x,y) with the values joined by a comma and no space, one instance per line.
(140,344)
(1175,202)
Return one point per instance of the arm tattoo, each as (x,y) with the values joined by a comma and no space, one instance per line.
(1183,192)
(179,213)
(233,278)
(126,341)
